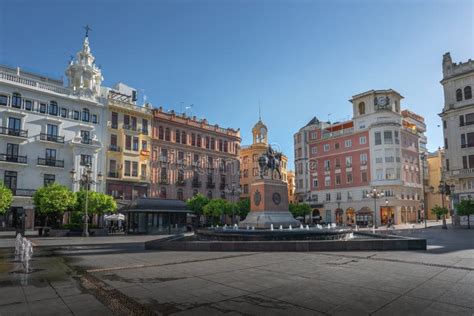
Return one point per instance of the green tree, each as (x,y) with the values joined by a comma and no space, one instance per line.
(216,208)
(300,209)
(440,212)
(243,207)
(98,203)
(197,203)
(53,199)
(466,208)
(6,198)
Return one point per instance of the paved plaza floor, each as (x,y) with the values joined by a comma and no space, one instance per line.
(123,278)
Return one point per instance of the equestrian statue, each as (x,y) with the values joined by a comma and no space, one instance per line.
(271,160)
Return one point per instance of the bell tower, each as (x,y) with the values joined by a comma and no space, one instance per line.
(84,77)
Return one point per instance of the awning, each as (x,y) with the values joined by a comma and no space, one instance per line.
(114,217)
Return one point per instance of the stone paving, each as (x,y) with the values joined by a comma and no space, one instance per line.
(439,281)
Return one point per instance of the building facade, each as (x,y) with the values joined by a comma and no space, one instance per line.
(191,156)
(49,129)
(435,176)
(458,126)
(290,176)
(249,168)
(379,149)
(128,144)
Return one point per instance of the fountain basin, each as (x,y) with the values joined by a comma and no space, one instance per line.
(220,234)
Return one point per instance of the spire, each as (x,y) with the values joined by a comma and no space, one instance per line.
(259,111)
(87,28)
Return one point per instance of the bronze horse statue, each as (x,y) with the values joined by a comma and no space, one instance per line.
(271,160)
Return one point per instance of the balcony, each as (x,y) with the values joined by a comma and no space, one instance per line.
(196,184)
(143,177)
(50,162)
(459,173)
(210,185)
(145,152)
(222,186)
(86,141)
(13,158)
(164,181)
(23,192)
(52,138)
(129,127)
(13,132)
(163,159)
(181,183)
(115,148)
(113,174)
(144,131)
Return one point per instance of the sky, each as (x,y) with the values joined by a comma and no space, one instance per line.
(297,59)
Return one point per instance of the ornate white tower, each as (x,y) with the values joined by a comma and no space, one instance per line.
(260,132)
(84,77)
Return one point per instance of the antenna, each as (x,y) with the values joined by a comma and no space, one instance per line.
(259,111)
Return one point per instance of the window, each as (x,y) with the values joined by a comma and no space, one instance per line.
(75,115)
(221,146)
(447,164)
(134,168)
(86,160)
(49,179)
(361,124)
(387,137)
(53,108)
(246,188)
(145,126)
(328,196)
(42,108)
(12,152)
(193,139)
(16,100)
(313,135)
(361,108)
(127,168)
(362,140)
(213,143)
(315,183)
(52,130)
(467,93)
(349,195)
(10,180)
(338,196)
(336,146)
(134,123)
(327,181)
(444,124)
(364,176)
(162,193)
(470,139)
(348,143)
(135,143)
(397,139)
(207,142)
(445,143)
(3,100)
(14,124)
(463,140)
(183,138)
(349,177)
(338,179)
(379,174)
(461,120)
(64,112)
(327,165)
(198,140)
(378,138)
(114,119)
(144,145)
(28,105)
(180,194)
(94,119)
(128,142)
(161,133)
(177,137)
(363,159)
(167,134)
(349,161)
(470,119)
(326,147)
(458,95)
(86,137)
(471,161)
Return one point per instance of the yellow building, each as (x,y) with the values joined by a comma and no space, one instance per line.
(290,176)
(435,169)
(128,152)
(249,169)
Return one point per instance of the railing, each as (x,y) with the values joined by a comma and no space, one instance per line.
(86,141)
(13,158)
(143,177)
(52,138)
(113,174)
(114,148)
(210,185)
(144,131)
(129,127)
(13,132)
(181,183)
(164,181)
(462,172)
(338,133)
(50,162)
(23,192)
(222,186)
(36,84)
(163,159)
(196,184)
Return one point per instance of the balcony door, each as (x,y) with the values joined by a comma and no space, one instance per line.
(10,180)
(12,151)
(14,123)
(50,156)
(52,130)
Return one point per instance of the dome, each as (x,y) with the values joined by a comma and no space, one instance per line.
(258,126)
(259,132)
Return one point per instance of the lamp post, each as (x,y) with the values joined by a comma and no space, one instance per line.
(85,180)
(451,201)
(233,190)
(375,194)
(422,158)
(443,189)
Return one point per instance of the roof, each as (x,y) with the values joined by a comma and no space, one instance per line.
(157,205)
(313,121)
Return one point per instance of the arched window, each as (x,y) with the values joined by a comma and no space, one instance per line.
(161,134)
(167,134)
(183,138)
(178,136)
(221,145)
(85,115)
(163,193)
(226,146)
(16,100)
(198,142)
(458,95)
(467,93)
(213,143)
(180,194)
(208,142)
(53,108)
(361,108)
(209,194)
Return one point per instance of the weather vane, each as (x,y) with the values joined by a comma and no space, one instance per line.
(87,28)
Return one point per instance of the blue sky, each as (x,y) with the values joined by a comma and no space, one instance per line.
(298,58)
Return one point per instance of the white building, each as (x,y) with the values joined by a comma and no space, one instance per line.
(47,129)
(458,126)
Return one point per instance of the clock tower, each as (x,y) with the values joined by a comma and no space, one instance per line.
(260,133)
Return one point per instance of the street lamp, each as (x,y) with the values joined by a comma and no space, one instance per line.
(85,180)
(374,194)
(451,200)
(233,190)
(422,158)
(443,189)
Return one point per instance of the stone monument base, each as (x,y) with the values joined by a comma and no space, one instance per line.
(269,205)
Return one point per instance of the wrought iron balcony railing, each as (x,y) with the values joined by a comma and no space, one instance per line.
(52,138)
(13,132)
(50,162)
(13,158)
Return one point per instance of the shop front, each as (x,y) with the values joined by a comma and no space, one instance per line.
(339,217)
(364,217)
(350,217)
(387,213)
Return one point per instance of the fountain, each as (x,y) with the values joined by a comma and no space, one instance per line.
(281,227)
(236,227)
(290,228)
(301,226)
(307,227)
(333,225)
(271,227)
(23,252)
(319,226)
(18,246)
(248,227)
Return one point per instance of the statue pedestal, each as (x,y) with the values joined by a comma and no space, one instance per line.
(269,205)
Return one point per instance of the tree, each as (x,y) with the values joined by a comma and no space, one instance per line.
(98,203)
(53,199)
(300,209)
(6,198)
(197,203)
(466,208)
(243,207)
(440,212)
(216,208)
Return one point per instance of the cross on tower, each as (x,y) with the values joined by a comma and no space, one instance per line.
(87,28)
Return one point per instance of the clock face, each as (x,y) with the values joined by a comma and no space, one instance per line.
(381,101)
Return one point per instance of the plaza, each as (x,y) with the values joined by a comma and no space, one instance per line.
(115,275)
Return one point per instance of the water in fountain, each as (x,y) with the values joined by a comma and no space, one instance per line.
(225,226)
(290,228)
(301,226)
(217,226)
(319,226)
(271,226)
(248,227)
(307,227)
(236,227)
(281,227)
(28,253)
(329,226)
(333,225)
(18,246)
(253,227)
